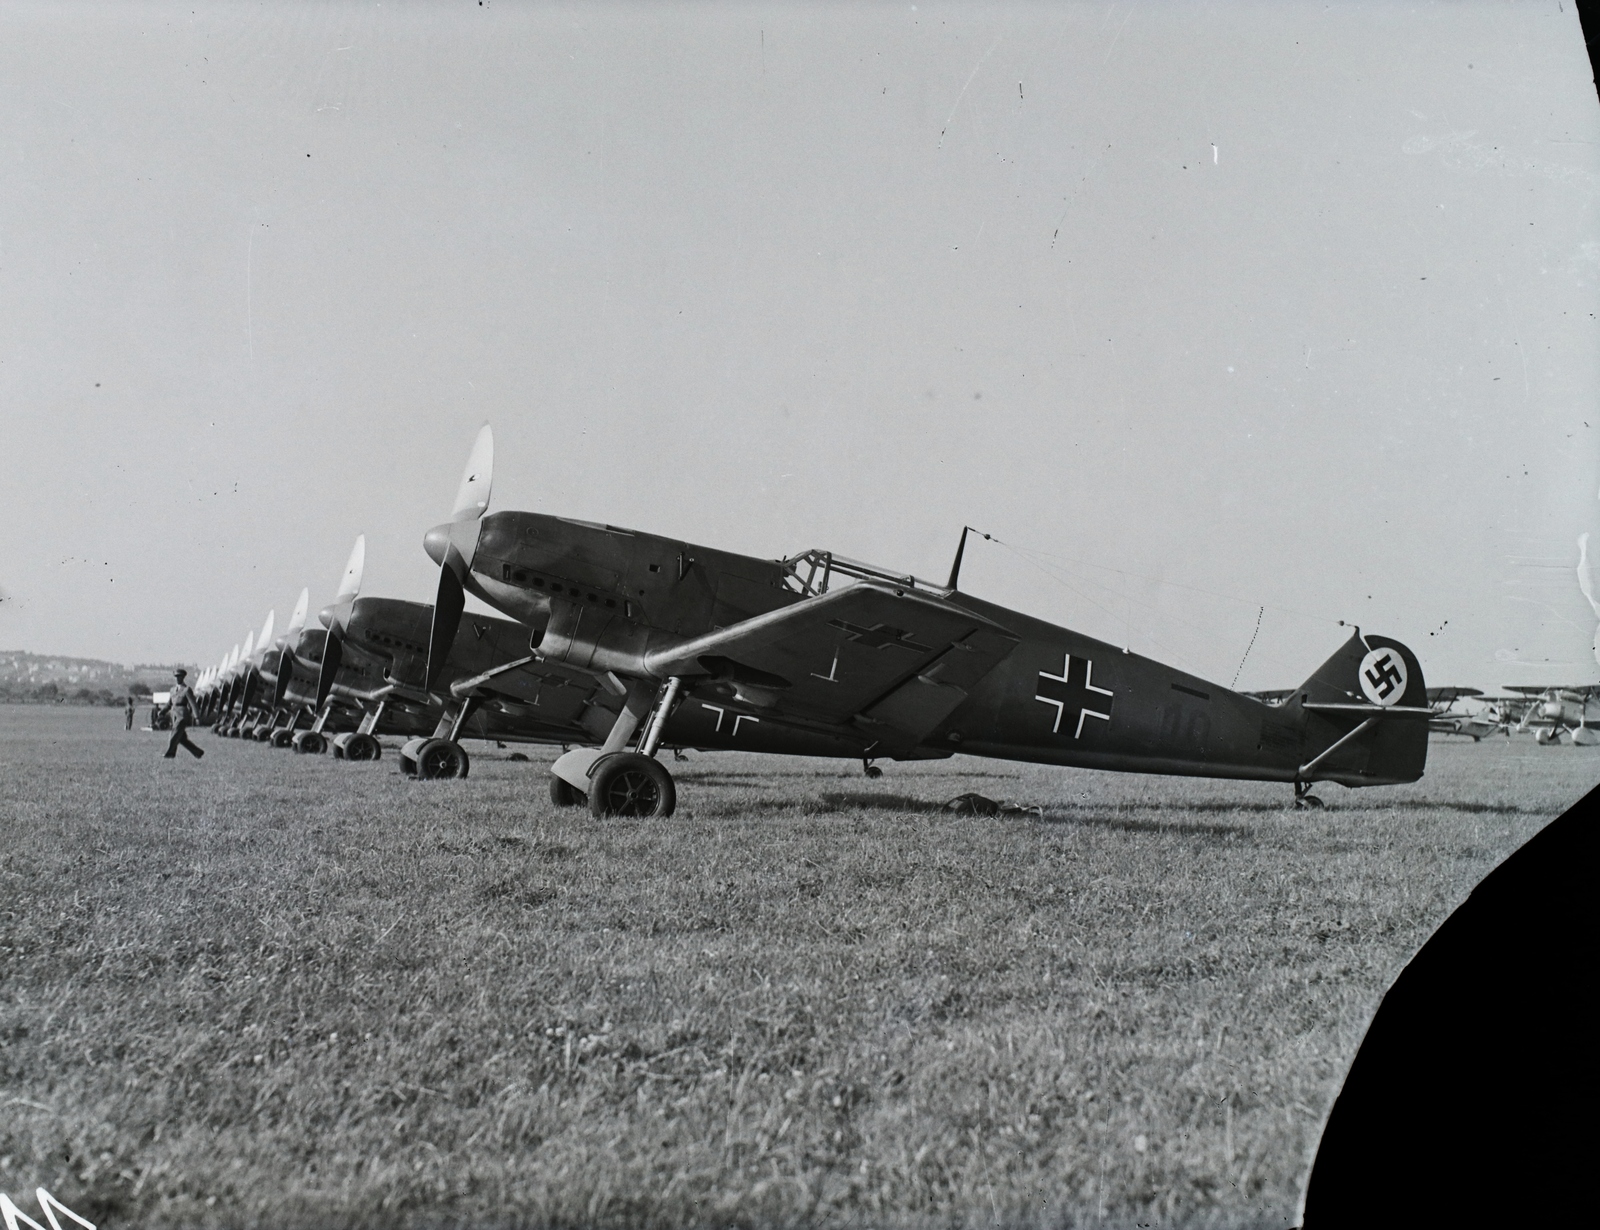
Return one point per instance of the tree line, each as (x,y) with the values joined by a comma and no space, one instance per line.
(55,694)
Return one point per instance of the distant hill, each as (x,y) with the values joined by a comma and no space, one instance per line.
(50,677)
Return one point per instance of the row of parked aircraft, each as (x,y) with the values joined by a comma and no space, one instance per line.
(618,644)
(1571,712)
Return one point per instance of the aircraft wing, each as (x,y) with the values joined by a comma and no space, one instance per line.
(873,656)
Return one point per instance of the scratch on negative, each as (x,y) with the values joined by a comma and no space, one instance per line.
(1117,35)
(963,93)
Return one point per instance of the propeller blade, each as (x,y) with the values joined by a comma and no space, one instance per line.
(350,583)
(286,665)
(472,497)
(447,607)
(249,645)
(332,656)
(265,638)
(297,621)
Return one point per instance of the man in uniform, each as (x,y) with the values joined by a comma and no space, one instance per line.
(182,710)
(130,713)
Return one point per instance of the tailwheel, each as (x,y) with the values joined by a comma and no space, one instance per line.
(440,759)
(1304,800)
(630,784)
(565,794)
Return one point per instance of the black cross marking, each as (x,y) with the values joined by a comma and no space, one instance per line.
(1073,689)
(878,636)
(1384,676)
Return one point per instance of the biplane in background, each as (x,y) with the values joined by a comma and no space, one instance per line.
(1573,711)
(823,656)
(1467,712)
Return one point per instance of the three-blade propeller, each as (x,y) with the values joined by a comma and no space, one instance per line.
(452,545)
(337,618)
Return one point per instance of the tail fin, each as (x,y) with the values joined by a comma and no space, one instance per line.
(1374,680)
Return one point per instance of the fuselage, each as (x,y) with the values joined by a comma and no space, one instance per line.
(601,598)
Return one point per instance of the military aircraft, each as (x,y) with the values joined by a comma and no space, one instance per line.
(1466,711)
(262,701)
(232,686)
(820,655)
(363,674)
(1573,711)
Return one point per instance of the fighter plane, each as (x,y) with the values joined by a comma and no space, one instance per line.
(369,678)
(819,655)
(1573,711)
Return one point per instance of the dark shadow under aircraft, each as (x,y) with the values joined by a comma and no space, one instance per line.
(823,656)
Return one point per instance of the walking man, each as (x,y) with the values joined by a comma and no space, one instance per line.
(182,715)
(130,713)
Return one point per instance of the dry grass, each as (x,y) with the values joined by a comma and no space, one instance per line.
(269,990)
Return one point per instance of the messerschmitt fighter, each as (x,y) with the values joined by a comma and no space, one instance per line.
(824,656)
(362,674)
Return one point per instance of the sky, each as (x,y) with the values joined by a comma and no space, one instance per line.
(1228,322)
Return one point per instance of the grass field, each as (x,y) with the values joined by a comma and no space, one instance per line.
(268,990)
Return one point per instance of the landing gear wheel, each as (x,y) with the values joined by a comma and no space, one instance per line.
(311,743)
(1307,802)
(873,771)
(565,794)
(362,747)
(629,784)
(440,759)
(282,738)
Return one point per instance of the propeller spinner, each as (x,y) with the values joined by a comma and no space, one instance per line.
(452,546)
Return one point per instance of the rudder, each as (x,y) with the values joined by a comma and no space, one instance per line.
(1369,678)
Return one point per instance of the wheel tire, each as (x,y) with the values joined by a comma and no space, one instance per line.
(282,738)
(363,747)
(565,794)
(874,772)
(1307,802)
(311,743)
(441,760)
(629,784)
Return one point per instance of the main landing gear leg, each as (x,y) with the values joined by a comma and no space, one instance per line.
(867,767)
(1304,800)
(313,742)
(441,756)
(618,782)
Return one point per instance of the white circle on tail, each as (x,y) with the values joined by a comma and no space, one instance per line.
(1383,676)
